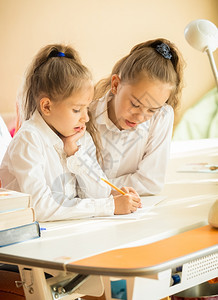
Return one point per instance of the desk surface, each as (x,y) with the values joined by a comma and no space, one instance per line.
(68,244)
(154,257)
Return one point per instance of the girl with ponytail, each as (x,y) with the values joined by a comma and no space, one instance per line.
(52,156)
(134,113)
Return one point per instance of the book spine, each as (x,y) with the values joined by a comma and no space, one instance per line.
(19,234)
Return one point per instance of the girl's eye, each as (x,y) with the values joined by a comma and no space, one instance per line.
(76,110)
(151,111)
(137,106)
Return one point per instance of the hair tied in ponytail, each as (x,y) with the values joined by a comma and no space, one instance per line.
(56,53)
(164,50)
(61,54)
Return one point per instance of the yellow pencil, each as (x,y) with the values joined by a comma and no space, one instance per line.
(114,187)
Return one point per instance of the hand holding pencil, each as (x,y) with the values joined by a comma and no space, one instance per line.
(113,186)
(126,201)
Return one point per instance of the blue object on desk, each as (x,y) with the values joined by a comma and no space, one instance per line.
(118,289)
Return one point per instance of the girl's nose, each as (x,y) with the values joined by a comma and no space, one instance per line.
(85,116)
(139,118)
(142,116)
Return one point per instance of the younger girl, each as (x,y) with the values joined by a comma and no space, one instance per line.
(52,157)
(135,115)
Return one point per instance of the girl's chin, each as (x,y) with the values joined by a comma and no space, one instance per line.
(68,134)
(124,127)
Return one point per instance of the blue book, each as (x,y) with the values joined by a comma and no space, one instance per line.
(19,234)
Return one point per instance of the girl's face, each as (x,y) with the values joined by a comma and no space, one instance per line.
(136,103)
(69,116)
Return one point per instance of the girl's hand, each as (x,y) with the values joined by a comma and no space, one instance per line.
(126,204)
(70,146)
(131,191)
(127,190)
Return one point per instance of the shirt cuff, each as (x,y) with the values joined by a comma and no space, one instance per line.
(80,162)
(104,207)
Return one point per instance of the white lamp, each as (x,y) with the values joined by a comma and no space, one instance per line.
(203,35)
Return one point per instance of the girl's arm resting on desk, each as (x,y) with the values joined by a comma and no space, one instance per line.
(88,173)
(31,167)
(150,174)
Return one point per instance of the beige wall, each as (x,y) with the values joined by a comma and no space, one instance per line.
(102,31)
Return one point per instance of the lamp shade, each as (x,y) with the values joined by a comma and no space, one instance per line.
(202,35)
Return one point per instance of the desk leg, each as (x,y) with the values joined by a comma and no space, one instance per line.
(34,283)
(36,286)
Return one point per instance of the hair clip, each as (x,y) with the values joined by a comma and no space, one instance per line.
(60,54)
(164,50)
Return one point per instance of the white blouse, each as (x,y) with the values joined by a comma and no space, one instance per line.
(138,157)
(61,187)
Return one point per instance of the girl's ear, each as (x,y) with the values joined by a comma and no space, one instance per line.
(45,106)
(115,80)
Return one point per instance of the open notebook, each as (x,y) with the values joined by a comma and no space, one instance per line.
(148,202)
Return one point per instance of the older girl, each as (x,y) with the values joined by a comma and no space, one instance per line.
(134,114)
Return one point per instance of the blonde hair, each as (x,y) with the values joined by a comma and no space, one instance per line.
(56,72)
(145,60)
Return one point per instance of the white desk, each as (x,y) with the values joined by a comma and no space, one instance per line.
(186,207)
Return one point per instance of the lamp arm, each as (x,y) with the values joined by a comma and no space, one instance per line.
(213,65)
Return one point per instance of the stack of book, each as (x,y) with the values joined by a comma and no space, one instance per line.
(17,218)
